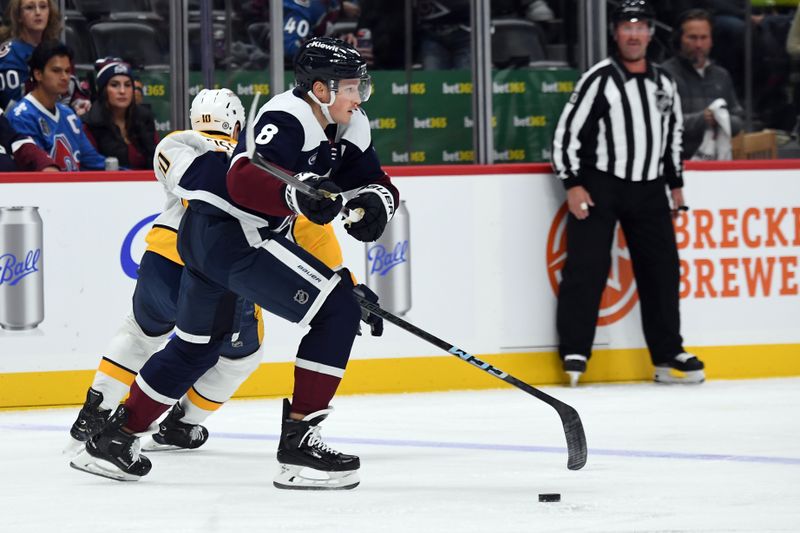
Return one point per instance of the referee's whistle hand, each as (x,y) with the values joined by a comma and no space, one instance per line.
(579,201)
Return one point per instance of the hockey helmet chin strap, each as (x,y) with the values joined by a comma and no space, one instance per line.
(325,108)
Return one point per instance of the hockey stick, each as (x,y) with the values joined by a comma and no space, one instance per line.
(573,427)
(281,174)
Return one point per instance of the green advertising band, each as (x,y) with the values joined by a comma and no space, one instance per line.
(427,121)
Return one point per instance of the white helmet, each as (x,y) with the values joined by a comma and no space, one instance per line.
(217,110)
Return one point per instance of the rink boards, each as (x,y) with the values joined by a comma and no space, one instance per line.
(485,249)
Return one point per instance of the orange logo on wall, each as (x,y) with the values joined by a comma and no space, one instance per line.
(620,294)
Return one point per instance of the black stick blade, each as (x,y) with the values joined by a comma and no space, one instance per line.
(576,438)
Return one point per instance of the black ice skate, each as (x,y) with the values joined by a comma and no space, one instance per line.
(683,368)
(574,366)
(113,453)
(176,435)
(89,422)
(308,463)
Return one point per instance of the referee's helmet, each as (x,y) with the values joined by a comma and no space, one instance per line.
(633,10)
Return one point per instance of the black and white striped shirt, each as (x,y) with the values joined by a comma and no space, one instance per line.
(626,124)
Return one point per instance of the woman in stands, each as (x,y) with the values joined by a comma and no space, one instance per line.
(29,23)
(115,124)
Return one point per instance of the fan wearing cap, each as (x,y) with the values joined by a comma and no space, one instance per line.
(115,124)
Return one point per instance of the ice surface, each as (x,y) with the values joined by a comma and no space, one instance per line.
(723,456)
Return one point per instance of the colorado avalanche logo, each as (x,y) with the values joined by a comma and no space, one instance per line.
(62,154)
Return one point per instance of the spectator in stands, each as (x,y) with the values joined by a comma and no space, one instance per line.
(138,90)
(29,23)
(304,19)
(380,38)
(116,125)
(52,125)
(444,28)
(701,83)
(444,34)
(18,152)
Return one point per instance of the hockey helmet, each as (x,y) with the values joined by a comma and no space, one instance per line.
(217,110)
(633,10)
(329,60)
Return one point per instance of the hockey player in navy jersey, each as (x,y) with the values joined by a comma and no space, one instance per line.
(233,240)
(54,126)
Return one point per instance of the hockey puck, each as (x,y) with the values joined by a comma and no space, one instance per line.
(549,497)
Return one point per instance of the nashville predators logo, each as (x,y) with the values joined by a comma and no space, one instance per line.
(301,297)
(620,294)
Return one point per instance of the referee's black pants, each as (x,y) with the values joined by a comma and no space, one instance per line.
(643,211)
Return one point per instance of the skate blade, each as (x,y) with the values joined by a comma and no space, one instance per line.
(292,477)
(574,376)
(672,376)
(88,463)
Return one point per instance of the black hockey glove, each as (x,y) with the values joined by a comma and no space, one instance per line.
(374,321)
(320,211)
(378,205)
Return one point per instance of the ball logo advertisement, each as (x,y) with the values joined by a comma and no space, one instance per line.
(21,272)
(620,294)
(389,264)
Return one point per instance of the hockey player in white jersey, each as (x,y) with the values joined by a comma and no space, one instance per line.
(217,119)
(233,239)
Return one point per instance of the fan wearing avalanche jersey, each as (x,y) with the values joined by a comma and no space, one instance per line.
(53,126)
(233,239)
(304,19)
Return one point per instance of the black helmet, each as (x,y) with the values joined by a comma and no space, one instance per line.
(328,60)
(632,10)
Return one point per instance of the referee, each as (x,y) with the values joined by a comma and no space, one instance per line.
(617,147)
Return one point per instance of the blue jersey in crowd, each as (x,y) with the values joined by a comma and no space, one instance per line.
(304,19)
(60,134)
(14,55)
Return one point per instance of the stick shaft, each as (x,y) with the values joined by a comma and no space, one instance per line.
(571,421)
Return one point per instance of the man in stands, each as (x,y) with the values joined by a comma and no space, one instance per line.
(54,126)
(701,83)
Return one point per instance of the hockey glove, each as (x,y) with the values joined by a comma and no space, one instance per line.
(378,205)
(374,322)
(320,211)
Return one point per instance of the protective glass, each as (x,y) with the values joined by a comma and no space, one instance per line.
(361,87)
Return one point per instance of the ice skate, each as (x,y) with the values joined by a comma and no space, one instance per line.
(574,366)
(683,368)
(113,453)
(89,422)
(306,462)
(175,435)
